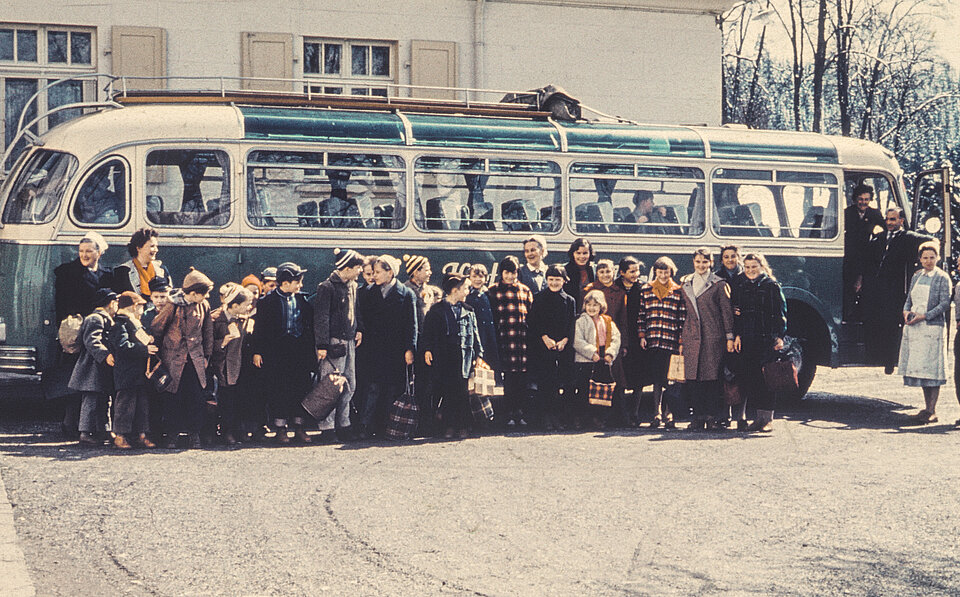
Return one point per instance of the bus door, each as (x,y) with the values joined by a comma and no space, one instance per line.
(857,259)
(936,206)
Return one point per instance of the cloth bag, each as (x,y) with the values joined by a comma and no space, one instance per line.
(601,386)
(326,391)
(676,372)
(782,367)
(481,407)
(158,375)
(482,381)
(403,415)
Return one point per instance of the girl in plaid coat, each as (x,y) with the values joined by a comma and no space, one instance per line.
(659,323)
(510,302)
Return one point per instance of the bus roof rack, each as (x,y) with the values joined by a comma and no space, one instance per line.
(263,91)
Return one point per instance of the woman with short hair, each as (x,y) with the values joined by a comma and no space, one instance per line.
(143,265)
(661,316)
(923,350)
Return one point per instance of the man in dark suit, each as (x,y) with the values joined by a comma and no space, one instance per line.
(388,311)
(892,261)
(283,346)
(861,221)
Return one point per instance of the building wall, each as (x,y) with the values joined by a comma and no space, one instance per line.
(648,60)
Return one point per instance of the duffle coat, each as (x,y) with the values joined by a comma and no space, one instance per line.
(92,373)
(184,330)
(129,353)
(706,329)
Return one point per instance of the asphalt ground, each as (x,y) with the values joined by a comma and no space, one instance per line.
(841,499)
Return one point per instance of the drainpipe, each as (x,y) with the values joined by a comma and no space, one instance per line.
(478,46)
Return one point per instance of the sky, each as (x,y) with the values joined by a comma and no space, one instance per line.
(948,33)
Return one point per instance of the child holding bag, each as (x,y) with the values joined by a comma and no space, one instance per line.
(596,343)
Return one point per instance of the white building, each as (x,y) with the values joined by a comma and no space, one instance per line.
(648,60)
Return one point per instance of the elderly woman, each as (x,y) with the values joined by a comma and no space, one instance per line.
(75,285)
(923,350)
(143,266)
(707,336)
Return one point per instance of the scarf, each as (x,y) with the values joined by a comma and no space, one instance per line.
(145,276)
(663,290)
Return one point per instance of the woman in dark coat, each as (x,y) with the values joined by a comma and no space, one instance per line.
(707,336)
(731,272)
(579,269)
(131,346)
(75,286)
(760,322)
(552,320)
(451,345)
(510,301)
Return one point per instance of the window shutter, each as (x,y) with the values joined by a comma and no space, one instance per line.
(140,52)
(267,55)
(433,63)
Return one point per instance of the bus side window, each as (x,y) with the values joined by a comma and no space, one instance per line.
(102,198)
(190,187)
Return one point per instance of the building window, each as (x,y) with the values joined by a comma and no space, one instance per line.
(348,67)
(32,56)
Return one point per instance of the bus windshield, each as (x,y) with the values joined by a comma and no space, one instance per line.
(38,189)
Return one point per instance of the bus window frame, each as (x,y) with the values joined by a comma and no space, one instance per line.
(13,177)
(146,150)
(779,203)
(560,160)
(325,149)
(101,161)
(701,164)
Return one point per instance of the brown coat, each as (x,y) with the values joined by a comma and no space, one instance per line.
(184,330)
(708,326)
(226,361)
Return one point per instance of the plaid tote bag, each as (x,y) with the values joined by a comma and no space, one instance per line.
(404,414)
(600,392)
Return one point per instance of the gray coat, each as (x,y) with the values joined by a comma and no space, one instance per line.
(939,297)
(92,373)
(706,329)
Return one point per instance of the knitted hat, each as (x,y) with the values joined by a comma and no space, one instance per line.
(346,258)
(129,299)
(95,239)
(251,279)
(103,296)
(159,284)
(196,278)
(414,262)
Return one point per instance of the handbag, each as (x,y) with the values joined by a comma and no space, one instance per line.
(482,381)
(481,407)
(675,372)
(781,370)
(732,395)
(601,386)
(403,415)
(326,391)
(159,376)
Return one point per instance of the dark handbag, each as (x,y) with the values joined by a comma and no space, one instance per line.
(336,351)
(326,391)
(782,367)
(403,415)
(159,376)
(732,395)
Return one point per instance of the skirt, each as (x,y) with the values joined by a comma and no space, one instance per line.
(923,355)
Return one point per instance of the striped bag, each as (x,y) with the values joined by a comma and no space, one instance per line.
(404,414)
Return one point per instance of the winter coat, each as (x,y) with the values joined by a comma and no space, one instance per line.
(268,332)
(226,361)
(630,339)
(480,304)
(454,342)
(761,310)
(706,328)
(573,287)
(510,304)
(585,338)
(129,352)
(184,331)
(75,287)
(616,297)
(92,373)
(536,283)
(553,314)
(389,330)
(126,277)
(660,320)
(331,307)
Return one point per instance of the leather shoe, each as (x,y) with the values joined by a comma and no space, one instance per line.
(282,438)
(145,441)
(301,437)
(87,439)
(121,442)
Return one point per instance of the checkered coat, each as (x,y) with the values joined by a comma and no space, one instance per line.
(661,320)
(510,304)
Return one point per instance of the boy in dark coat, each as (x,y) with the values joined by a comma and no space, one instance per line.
(92,375)
(283,347)
(229,334)
(551,328)
(131,346)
